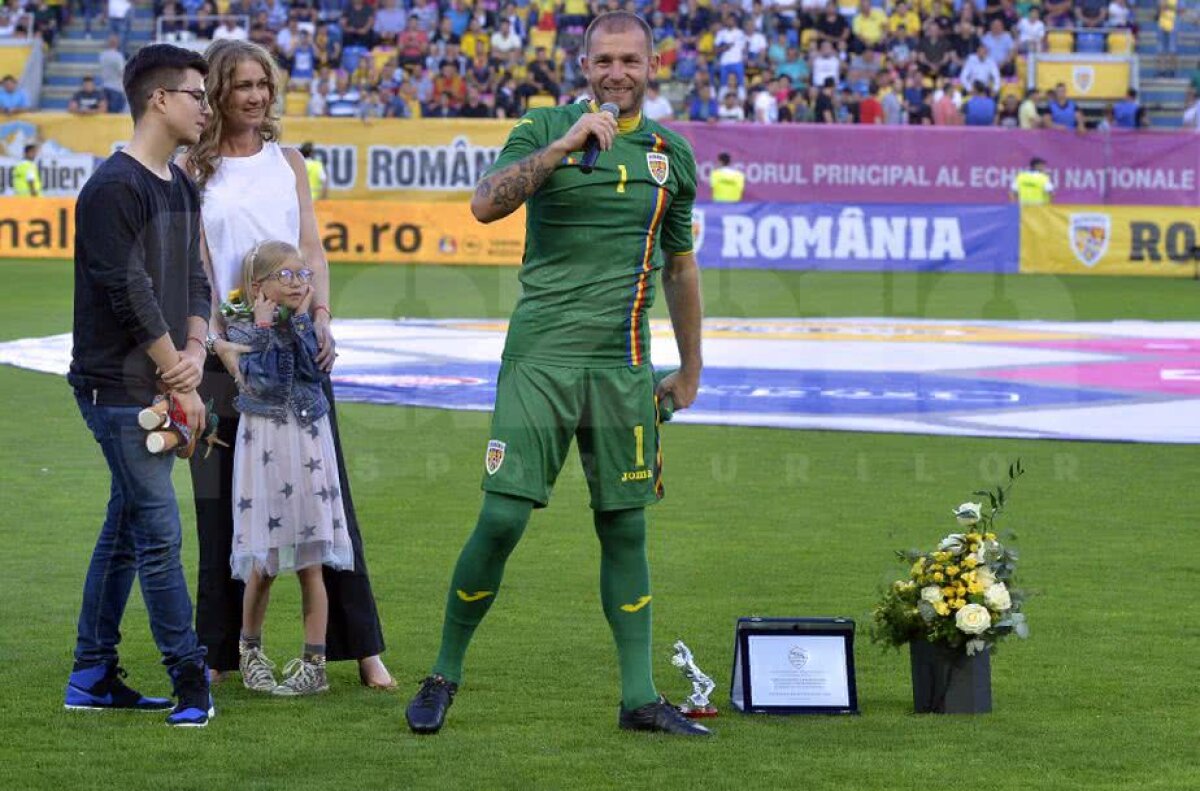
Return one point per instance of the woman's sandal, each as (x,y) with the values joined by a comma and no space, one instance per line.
(388,686)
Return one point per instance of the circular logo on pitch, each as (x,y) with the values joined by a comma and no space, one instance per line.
(798,657)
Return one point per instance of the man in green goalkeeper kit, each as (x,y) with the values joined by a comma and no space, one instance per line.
(576,361)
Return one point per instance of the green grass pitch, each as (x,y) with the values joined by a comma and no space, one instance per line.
(1103,696)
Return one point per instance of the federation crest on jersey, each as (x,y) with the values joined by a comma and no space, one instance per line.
(697,229)
(495,456)
(1089,237)
(660,166)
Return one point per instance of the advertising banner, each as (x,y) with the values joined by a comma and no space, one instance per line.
(397,159)
(932,238)
(351,231)
(1157,241)
(429,233)
(1110,240)
(798,163)
(436,160)
(37,227)
(744,236)
(393,159)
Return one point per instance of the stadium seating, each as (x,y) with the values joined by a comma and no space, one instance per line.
(1120,42)
(683,41)
(1060,42)
(541,38)
(1090,42)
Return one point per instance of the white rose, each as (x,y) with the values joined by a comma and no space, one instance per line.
(955,542)
(968,513)
(973,619)
(931,594)
(985,577)
(996,597)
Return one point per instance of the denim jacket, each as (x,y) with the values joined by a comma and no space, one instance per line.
(280,374)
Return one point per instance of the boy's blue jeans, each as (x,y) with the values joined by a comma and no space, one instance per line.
(141,537)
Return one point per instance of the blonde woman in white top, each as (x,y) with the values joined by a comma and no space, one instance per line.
(254,190)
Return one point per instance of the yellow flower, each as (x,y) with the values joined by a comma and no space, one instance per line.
(975,587)
(917,568)
(970,562)
(941,557)
(941,608)
(974,547)
(957,604)
(935,567)
(952,571)
(938,576)
(990,536)
(973,537)
(948,592)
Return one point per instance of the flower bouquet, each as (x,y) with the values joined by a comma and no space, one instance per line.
(960,598)
(238,307)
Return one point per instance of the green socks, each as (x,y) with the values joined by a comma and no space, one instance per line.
(625,596)
(477,575)
(624,588)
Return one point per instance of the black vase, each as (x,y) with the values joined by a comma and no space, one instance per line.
(947,681)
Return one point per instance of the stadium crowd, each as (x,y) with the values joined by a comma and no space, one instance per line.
(944,62)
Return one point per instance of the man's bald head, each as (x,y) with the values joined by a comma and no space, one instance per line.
(617,22)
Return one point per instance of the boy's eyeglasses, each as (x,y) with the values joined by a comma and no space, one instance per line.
(286,276)
(198,94)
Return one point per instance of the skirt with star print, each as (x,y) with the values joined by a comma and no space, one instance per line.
(287,504)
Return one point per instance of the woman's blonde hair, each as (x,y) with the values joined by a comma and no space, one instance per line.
(223,58)
(263,259)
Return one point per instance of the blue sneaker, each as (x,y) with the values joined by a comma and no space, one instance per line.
(100,687)
(195,707)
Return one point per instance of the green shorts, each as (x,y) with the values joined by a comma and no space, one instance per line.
(610,411)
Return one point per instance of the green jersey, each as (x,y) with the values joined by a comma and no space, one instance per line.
(594,243)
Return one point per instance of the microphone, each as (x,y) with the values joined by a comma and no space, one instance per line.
(591,151)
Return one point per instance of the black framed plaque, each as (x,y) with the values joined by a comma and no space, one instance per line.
(794,666)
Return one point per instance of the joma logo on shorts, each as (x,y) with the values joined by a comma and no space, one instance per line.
(637,475)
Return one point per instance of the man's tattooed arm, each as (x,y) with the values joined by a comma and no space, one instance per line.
(499,195)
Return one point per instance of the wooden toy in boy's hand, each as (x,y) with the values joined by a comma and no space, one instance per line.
(168,429)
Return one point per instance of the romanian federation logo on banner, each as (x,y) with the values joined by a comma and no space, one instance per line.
(1089,237)
(1083,78)
(697,229)
(660,166)
(495,456)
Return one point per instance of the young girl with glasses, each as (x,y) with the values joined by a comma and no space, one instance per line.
(287,506)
